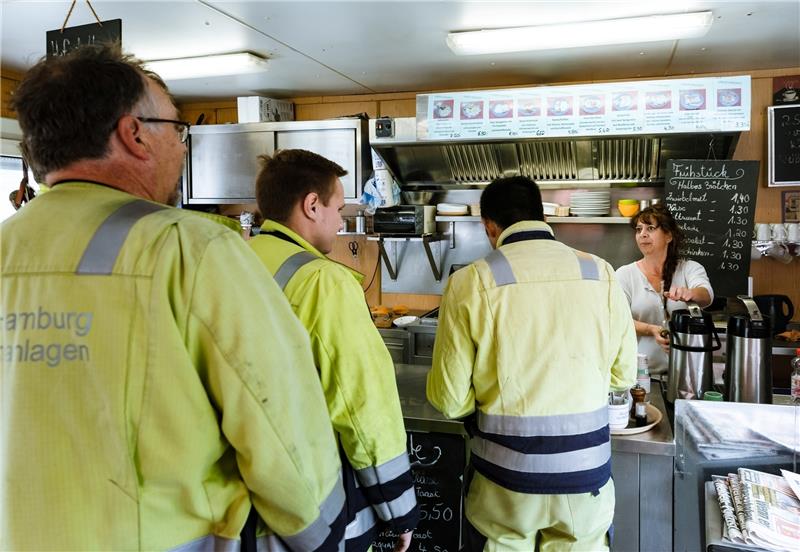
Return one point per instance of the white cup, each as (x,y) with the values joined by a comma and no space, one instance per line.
(778,232)
(763,232)
(793,232)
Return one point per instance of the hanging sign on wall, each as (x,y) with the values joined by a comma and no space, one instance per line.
(63,41)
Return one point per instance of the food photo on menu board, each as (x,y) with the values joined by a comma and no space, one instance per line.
(625,101)
(729,97)
(501,109)
(443,109)
(693,100)
(472,110)
(559,106)
(594,104)
(529,107)
(661,99)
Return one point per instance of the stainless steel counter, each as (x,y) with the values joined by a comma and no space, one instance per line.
(420,415)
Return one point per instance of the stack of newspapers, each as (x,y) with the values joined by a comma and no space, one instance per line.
(760,509)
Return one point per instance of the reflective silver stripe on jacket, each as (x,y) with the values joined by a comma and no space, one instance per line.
(210,543)
(543,426)
(563,462)
(315,534)
(503,275)
(108,239)
(388,471)
(213,543)
(500,267)
(398,507)
(364,521)
(588,266)
(292,265)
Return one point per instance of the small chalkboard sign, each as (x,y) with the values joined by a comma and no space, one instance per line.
(438,461)
(714,203)
(60,42)
(784,145)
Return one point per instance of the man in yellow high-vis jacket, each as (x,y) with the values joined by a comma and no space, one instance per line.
(154,380)
(300,195)
(530,341)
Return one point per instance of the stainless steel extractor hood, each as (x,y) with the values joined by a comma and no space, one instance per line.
(597,161)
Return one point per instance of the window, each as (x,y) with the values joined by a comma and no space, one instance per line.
(10,176)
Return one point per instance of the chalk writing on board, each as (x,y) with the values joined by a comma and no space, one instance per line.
(714,203)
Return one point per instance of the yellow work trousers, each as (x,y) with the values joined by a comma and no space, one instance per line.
(512,521)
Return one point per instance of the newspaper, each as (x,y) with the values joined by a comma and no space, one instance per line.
(768,514)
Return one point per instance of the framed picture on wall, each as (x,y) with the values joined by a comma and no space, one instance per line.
(791,206)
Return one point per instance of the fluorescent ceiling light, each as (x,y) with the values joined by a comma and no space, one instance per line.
(586,33)
(207,66)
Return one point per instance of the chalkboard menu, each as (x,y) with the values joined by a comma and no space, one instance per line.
(784,145)
(437,462)
(61,42)
(714,203)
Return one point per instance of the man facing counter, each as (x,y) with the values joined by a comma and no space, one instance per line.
(530,341)
(145,402)
(301,197)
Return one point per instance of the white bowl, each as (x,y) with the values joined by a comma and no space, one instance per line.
(401,321)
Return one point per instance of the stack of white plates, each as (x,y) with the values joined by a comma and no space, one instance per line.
(590,203)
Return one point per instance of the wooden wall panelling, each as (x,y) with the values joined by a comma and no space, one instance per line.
(313,112)
(412,301)
(366,262)
(8,83)
(769,275)
(398,108)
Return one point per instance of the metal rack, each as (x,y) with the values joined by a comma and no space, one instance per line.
(393,268)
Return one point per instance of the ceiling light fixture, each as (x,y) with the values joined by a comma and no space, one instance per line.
(585,33)
(207,66)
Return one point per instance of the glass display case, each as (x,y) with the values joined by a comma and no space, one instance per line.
(717,438)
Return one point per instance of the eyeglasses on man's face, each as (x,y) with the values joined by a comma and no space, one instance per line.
(181,127)
(650,228)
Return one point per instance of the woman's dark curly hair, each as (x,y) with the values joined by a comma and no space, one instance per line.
(658,215)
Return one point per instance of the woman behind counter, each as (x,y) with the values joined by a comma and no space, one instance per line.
(660,282)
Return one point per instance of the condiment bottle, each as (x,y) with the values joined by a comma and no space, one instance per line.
(640,415)
(643,374)
(637,394)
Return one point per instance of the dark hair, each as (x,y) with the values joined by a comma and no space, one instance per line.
(659,215)
(288,176)
(511,199)
(68,106)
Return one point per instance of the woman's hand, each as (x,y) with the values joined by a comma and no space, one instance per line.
(661,336)
(697,295)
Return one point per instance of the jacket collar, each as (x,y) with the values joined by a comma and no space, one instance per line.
(524,226)
(270,225)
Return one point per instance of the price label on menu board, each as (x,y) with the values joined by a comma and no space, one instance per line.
(437,462)
(714,203)
(717,104)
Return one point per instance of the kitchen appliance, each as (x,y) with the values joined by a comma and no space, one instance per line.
(778,308)
(693,340)
(748,359)
(223,159)
(411,220)
(554,163)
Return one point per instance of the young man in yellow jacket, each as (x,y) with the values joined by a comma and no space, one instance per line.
(154,382)
(530,341)
(301,197)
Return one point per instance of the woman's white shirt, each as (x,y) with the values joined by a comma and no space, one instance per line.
(646,305)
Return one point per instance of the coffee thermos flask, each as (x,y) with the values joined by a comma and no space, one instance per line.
(693,341)
(748,359)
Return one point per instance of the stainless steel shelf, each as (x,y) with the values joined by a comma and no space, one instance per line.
(550,220)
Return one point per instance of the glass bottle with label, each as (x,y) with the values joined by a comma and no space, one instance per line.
(796,377)
(643,374)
